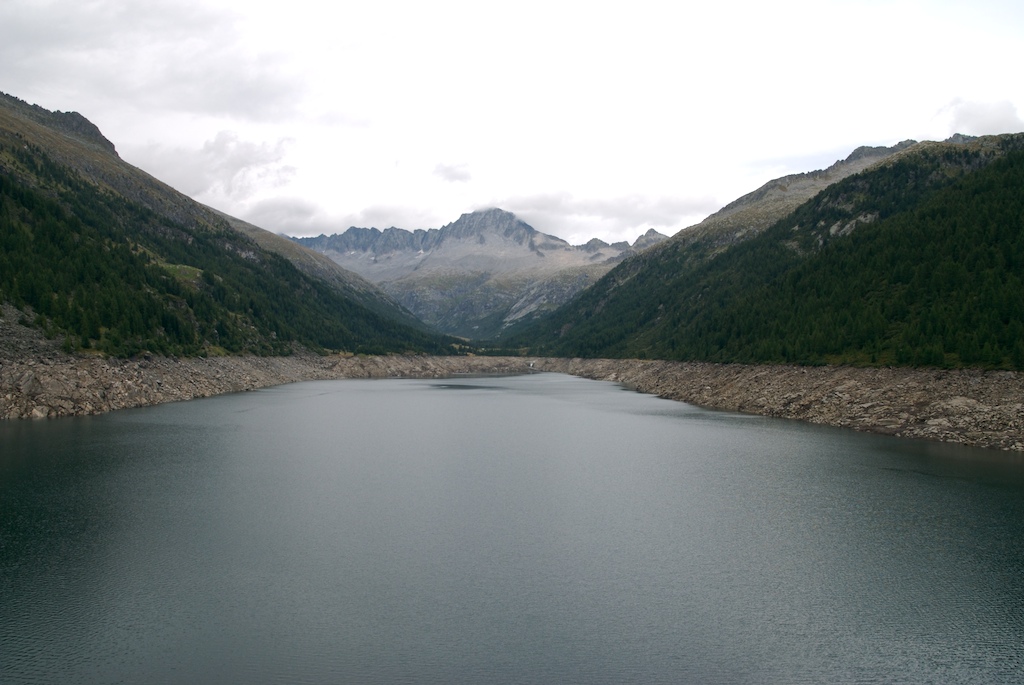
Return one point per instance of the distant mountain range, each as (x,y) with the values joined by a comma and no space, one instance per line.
(911,255)
(476,276)
(489,272)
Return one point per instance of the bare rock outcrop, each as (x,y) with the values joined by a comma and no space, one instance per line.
(972,407)
(981,408)
(39,380)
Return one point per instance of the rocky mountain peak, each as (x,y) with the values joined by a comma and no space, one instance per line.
(868,151)
(594,245)
(652,237)
(473,276)
(71,124)
(961,139)
(489,221)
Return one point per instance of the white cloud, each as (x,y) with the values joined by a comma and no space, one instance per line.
(983,118)
(239,168)
(388,216)
(586,119)
(614,218)
(297,216)
(289,215)
(224,172)
(156,55)
(455,173)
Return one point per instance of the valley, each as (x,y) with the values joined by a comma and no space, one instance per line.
(883,293)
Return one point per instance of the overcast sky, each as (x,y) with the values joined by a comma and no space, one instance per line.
(586,119)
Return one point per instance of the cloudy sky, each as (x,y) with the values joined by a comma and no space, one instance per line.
(587,119)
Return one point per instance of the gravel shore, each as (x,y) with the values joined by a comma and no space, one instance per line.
(981,408)
(971,407)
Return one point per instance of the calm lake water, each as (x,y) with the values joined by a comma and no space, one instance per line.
(533,529)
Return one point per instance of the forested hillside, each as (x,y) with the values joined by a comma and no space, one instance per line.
(917,261)
(101,271)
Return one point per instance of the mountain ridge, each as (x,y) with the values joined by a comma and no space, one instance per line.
(753,212)
(73,140)
(112,259)
(70,124)
(913,261)
(476,275)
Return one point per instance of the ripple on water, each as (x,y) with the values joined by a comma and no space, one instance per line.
(533,529)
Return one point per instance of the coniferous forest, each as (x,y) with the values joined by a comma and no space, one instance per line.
(104,273)
(917,262)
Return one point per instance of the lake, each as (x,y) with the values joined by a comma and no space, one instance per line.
(529,529)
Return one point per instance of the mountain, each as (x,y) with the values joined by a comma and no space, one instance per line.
(475,276)
(754,212)
(106,257)
(917,259)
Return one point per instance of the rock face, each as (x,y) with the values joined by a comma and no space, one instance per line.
(477,275)
(62,385)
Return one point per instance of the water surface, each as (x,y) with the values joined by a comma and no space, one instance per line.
(533,529)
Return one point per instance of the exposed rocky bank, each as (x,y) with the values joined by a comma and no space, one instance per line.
(64,385)
(981,408)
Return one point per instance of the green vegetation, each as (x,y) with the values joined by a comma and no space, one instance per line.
(917,262)
(105,273)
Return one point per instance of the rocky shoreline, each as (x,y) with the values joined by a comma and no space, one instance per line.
(970,407)
(980,408)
